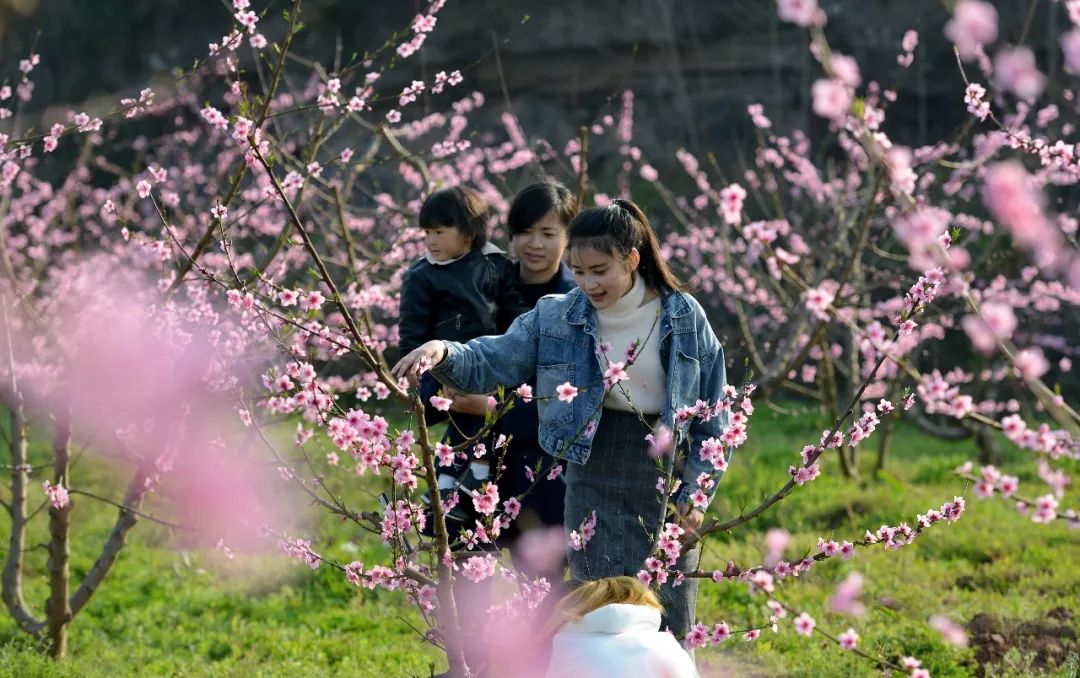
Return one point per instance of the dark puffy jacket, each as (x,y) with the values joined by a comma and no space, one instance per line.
(523,421)
(474,296)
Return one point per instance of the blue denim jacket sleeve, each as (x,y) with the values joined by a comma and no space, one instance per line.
(485,363)
(712,383)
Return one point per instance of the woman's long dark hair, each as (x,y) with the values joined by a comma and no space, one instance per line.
(536,200)
(618,228)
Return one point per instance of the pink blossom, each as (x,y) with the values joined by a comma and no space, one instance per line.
(804,624)
(799,12)
(1015,71)
(1031,363)
(818,301)
(996,322)
(700,500)
(1045,509)
(973,25)
(649,173)
(831,99)
(976,103)
(846,70)
(697,636)
(440,403)
(661,442)
(143,187)
(579,538)
(952,632)
(445,454)
(911,663)
(1013,200)
(720,633)
(776,540)
(845,598)
(512,507)
(424,23)
(567,392)
(57,494)
(288,297)
(525,392)
(479,568)
(614,374)
(731,203)
(485,501)
(1070,48)
(313,301)
(848,639)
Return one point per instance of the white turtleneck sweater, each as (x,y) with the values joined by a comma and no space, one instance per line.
(630,319)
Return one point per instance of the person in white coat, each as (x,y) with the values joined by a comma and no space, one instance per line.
(611,627)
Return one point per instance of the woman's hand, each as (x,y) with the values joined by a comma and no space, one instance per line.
(409,366)
(689,517)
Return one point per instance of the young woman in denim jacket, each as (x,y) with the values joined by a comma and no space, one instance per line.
(677,362)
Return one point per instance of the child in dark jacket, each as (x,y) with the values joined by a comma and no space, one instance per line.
(463,288)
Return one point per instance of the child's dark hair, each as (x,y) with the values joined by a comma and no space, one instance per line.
(618,228)
(535,200)
(459,207)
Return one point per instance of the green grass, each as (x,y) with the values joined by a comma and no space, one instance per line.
(168,611)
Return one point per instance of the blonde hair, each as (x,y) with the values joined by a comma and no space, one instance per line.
(593,595)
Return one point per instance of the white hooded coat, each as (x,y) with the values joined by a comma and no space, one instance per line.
(618,640)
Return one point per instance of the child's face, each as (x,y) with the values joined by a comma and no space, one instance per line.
(446,242)
(603,276)
(541,246)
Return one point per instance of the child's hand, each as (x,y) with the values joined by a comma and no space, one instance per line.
(689,517)
(409,366)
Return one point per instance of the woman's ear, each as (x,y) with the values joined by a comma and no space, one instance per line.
(634,259)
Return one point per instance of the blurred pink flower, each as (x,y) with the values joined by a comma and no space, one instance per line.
(804,624)
(952,632)
(1015,71)
(973,25)
(1070,48)
(831,99)
(847,70)
(799,12)
(1031,363)
(848,639)
(845,598)
(776,540)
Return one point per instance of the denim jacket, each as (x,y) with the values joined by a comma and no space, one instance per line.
(556,343)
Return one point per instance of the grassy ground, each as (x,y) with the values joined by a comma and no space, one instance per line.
(167,611)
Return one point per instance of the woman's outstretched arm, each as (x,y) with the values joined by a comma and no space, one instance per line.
(483,364)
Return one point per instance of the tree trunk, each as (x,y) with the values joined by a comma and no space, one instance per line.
(989,452)
(888,424)
(58,609)
(832,399)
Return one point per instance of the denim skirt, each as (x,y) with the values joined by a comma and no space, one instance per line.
(619,483)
